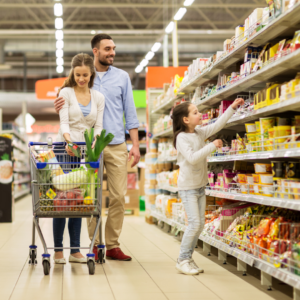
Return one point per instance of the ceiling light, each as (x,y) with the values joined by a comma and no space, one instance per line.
(59,61)
(58,9)
(93,32)
(59,44)
(59,23)
(149,55)
(188,2)
(144,62)
(181,12)
(59,53)
(59,34)
(59,69)
(156,47)
(138,69)
(170,27)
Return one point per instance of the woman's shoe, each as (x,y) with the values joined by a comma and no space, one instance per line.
(59,260)
(186,267)
(74,259)
(196,267)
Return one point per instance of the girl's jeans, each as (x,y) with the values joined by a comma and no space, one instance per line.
(74,224)
(194,202)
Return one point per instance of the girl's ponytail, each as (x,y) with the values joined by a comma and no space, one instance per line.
(179,112)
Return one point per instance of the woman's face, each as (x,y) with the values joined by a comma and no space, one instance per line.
(82,76)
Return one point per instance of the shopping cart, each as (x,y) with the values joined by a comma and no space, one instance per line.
(64,187)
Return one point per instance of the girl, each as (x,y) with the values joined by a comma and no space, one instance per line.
(192,159)
(83,109)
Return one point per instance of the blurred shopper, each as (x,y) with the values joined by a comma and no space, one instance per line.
(115,85)
(83,109)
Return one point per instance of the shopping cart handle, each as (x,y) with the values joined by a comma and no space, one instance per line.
(54,144)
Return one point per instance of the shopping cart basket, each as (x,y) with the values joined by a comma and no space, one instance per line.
(64,187)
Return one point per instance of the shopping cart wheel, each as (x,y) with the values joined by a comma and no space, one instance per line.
(46,266)
(32,255)
(91,266)
(101,255)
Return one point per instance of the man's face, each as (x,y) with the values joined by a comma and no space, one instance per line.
(106,52)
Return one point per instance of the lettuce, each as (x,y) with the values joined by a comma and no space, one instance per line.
(71,180)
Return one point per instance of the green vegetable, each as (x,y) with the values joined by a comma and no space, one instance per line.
(5,156)
(74,148)
(93,155)
(71,180)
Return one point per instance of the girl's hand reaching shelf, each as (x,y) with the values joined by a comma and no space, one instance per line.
(218,143)
(237,102)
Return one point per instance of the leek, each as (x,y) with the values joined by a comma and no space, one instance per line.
(93,155)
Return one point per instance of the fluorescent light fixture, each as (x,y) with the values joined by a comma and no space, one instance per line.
(188,2)
(138,69)
(58,9)
(149,55)
(59,53)
(170,27)
(59,23)
(156,47)
(93,32)
(59,69)
(59,34)
(181,12)
(144,62)
(59,44)
(59,61)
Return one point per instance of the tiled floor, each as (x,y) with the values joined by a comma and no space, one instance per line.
(150,275)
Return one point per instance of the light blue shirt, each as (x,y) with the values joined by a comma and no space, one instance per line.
(85,109)
(115,85)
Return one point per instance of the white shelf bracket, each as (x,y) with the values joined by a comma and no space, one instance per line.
(296,294)
(266,280)
(206,248)
(242,266)
(222,256)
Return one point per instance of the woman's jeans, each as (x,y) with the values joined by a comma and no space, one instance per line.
(194,202)
(74,224)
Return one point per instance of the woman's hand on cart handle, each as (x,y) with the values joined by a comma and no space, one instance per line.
(58,104)
(68,139)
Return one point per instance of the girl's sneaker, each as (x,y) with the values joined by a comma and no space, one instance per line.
(196,267)
(186,267)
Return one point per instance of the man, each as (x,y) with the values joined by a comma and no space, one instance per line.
(115,85)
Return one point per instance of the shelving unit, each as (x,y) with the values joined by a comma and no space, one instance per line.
(282,70)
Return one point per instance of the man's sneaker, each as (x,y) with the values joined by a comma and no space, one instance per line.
(196,267)
(186,267)
(117,254)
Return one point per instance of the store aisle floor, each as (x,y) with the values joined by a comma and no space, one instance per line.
(151,274)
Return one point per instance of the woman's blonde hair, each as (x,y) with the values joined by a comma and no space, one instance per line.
(79,60)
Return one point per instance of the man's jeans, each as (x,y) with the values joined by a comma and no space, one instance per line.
(194,202)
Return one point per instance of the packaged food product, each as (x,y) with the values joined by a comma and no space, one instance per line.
(250,179)
(262,168)
(256,189)
(250,127)
(293,170)
(257,124)
(266,179)
(244,188)
(281,131)
(242,178)
(266,124)
(267,190)
(278,169)
(256,178)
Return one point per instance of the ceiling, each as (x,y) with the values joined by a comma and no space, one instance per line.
(27,29)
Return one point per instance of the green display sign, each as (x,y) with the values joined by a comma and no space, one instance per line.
(139,97)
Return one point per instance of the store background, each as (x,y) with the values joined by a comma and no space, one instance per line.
(156,57)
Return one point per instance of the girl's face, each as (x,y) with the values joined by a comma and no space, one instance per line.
(82,76)
(194,118)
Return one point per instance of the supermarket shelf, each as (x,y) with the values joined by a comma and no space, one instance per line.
(15,133)
(271,201)
(22,193)
(167,158)
(21,181)
(168,132)
(16,170)
(166,106)
(284,106)
(285,23)
(169,188)
(284,64)
(281,274)
(295,152)
(268,268)
(20,149)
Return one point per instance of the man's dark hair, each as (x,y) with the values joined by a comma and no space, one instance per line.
(98,38)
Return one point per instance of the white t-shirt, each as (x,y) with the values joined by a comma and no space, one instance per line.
(101,74)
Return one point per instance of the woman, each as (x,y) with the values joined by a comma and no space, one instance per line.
(83,109)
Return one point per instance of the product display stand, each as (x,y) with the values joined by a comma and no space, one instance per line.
(280,69)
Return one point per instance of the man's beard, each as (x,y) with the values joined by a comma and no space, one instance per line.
(104,62)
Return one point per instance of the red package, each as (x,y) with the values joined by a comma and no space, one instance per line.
(131,181)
